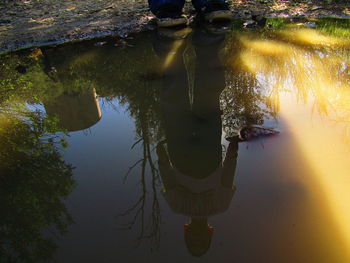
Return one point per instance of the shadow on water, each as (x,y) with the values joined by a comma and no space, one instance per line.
(197,97)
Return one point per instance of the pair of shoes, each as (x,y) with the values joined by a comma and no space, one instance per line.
(170,15)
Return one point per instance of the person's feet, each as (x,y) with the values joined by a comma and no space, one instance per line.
(216,10)
(170,15)
(172,22)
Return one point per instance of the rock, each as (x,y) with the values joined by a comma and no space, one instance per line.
(99,44)
(310,24)
(249,24)
(36,53)
(246,14)
(121,43)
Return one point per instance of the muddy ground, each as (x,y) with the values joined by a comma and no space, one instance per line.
(25,23)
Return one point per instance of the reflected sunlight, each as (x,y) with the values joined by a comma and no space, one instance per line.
(309,82)
(311,37)
(172,53)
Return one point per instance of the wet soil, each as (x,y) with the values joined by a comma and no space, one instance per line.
(25,23)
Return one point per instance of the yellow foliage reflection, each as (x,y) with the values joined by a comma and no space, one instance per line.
(319,73)
(305,75)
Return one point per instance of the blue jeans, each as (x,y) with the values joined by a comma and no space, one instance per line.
(155,4)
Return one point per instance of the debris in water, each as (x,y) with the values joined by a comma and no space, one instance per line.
(254,132)
(36,53)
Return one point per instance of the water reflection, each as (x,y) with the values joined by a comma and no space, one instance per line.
(197,182)
(198,99)
(34,180)
(304,66)
(191,114)
(74,110)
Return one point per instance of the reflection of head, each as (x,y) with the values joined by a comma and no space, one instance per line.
(198,236)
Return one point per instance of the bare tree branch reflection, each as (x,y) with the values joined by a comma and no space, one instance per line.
(138,211)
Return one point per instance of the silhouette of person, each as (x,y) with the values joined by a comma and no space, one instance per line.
(198,180)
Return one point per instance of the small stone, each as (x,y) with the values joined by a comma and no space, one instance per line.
(36,53)
(99,44)
(249,24)
(310,24)
(246,13)
(121,43)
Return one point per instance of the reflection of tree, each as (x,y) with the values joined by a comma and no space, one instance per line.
(142,105)
(33,181)
(131,75)
(242,103)
(305,62)
(241,100)
(138,209)
(31,86)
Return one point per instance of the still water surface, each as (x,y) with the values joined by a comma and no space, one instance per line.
(136,152)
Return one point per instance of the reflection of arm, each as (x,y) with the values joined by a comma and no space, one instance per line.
(165,168)
(230,163)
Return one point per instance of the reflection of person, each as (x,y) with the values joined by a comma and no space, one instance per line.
(198,181)
(198,198)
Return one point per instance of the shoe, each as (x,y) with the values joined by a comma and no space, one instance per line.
(170,15)
(216,10)
(172,22)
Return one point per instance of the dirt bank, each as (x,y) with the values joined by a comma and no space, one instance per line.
(25,23)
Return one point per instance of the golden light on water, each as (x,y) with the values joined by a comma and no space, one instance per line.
(305,75)
(179,41)
(306,36)
(327,153)
(173,53)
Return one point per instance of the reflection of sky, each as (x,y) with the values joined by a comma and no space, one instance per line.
(101,157)
(35,107)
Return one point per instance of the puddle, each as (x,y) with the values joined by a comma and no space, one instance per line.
(194,145)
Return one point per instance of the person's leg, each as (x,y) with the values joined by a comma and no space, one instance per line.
(171,6)
(198,4)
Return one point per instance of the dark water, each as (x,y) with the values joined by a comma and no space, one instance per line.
(191,146)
